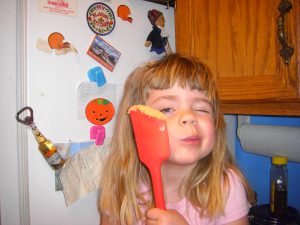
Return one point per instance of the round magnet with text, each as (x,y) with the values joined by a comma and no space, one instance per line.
(100,18)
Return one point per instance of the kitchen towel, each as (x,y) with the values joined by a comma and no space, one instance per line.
(271,140)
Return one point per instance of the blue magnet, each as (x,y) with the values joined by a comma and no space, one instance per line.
(96,75)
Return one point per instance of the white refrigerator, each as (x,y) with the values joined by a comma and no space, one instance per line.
(50,83)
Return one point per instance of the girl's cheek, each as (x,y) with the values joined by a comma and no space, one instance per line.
(171,122)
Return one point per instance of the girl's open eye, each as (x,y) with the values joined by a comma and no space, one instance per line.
(167,110)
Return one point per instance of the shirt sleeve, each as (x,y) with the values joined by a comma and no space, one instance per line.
(150,36)
(237,205)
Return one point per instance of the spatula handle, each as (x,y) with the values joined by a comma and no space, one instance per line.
(155,171)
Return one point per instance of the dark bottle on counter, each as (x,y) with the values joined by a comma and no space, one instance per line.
(46,147)
(279,186)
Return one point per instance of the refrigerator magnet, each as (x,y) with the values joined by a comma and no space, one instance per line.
(60,7)
(55,44)
(104,53)
(100,18)
(56,41)
(96,74)
(124,13)
(99,111)
(158,36)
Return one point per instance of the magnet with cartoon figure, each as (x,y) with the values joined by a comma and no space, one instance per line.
(99,111)
(157,38)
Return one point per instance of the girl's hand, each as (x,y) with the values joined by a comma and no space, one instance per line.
(157,216)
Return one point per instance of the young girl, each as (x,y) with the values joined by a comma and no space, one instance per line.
(202,185)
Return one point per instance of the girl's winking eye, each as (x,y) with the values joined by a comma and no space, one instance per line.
(203,108)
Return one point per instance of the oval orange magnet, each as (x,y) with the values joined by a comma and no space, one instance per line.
(99,111)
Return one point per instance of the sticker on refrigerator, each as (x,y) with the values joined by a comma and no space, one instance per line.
(158,36)
(56,44)
(67,7)
(104,53)
(96,74)
(99,112)
(89,90)
(124,13)
(100,18)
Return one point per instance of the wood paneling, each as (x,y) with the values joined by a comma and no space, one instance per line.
(238,40)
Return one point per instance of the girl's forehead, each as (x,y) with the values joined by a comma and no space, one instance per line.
(177,90)
(170,84)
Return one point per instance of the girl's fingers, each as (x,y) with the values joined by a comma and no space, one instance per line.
(154,214)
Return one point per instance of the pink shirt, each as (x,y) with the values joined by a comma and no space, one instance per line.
(236,206)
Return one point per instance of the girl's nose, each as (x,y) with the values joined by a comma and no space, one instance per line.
(188,118)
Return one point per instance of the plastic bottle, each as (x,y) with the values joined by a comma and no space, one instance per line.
(279,186)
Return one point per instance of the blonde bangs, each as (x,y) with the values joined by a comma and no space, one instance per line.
(165,73)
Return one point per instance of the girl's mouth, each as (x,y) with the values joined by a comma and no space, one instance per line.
(191,140)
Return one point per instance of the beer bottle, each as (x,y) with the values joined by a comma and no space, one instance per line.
(47,149)
(45,145)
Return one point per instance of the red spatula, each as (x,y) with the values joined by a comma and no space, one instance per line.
(151,136)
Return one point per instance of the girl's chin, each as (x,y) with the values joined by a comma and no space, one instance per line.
(181,162)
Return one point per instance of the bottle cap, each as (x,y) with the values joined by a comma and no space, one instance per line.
(279,160)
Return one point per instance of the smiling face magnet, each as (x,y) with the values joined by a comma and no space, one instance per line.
(99,111)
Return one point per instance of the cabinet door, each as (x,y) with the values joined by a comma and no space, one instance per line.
(238,40)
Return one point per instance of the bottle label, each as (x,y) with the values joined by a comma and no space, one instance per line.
(55,159)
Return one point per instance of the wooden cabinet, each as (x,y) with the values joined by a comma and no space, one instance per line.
(168,3)
(238,39)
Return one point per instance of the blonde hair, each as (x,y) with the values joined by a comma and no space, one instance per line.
(123,173)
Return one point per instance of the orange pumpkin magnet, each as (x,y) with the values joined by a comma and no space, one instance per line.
(124,12)
(99,111)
